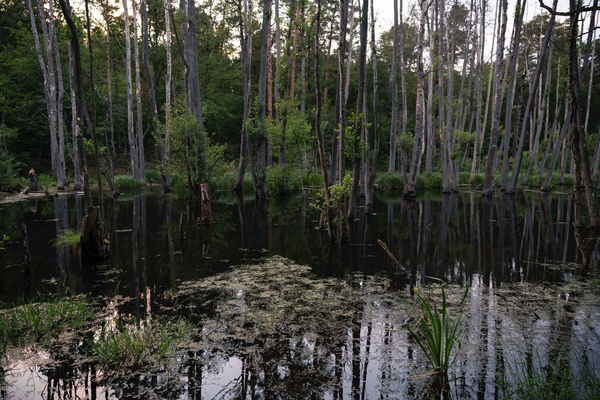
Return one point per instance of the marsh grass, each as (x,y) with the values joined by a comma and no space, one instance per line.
(68,238)
(436,332)
(37,322)
(132,348)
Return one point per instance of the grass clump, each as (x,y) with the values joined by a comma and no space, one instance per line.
(68,238)
(134,347)
(436,333)
(127,183)
(389,182)
(36,322)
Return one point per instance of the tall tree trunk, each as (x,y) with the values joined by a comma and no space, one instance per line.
(75,130)
(497,104)
(133,151)
(260,138)
(511,79)
(166,145)
(341,111)
(245,15)
(394,88)
(361,123)
(139,127)
(530,99)
(319,134)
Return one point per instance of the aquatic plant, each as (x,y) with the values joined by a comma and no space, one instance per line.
(436,333)
(36,322)
(139,346)
(68,238)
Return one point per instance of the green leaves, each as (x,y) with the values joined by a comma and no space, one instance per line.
(436,333)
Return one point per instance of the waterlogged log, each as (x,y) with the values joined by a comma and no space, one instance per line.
(94,246)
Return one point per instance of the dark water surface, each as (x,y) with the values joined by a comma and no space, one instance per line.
(284,314)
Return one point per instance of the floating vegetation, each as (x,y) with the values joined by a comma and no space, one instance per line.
(132,348)
(68,238)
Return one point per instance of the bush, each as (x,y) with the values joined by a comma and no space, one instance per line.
(153,176)
(68,238)
(389,182)
(127,183)
(9,177)
(313,178)
(283,180)
(431,180)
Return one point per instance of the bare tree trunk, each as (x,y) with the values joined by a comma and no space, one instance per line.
(510,97)
(409,188)
(320,143)
(260,138)
(530,99)
(497,104)
(75,130)
(341,111)
(133,151)
(394,89)
(140,173)
(166,146)
(245,15)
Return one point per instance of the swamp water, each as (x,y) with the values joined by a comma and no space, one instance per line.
(279,313)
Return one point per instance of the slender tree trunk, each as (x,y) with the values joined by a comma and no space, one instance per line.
(133,152)
(139,127)
(75,130)
(166,145)
(260,138)
(341,111)
(394,89)
(497,104)
(530,99)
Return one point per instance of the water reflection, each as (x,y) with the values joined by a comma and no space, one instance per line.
(273,329)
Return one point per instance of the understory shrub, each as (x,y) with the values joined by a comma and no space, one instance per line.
(153,176)
(127,183)
(389,182)
(283,180)
(431,180)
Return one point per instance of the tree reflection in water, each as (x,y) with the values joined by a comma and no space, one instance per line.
(331,324)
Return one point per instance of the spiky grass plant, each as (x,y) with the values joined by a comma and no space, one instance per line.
(139,346)
(436,333)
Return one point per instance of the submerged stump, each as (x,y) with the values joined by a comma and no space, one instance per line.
(93,245)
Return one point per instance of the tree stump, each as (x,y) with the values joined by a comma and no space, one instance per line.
(93,245)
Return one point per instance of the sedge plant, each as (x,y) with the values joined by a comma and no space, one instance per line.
(436,332)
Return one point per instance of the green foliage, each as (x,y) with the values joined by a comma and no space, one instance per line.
(436,333)
(134,347)
(9,179)
(283,180)
(389,182)
(127,183)
(292,130)
(68,238)
(39,321)
(46,181)
(188,149)
(153,176)
(431,180)
(313,178)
